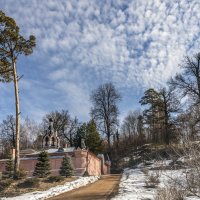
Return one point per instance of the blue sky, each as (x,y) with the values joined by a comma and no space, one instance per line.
(81,44)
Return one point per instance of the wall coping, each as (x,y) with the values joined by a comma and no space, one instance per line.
(52,155)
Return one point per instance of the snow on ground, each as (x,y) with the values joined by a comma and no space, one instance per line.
(132,184)
(192,198)
(40,195)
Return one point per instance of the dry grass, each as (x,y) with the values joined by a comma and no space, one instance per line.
(145,171)
(152,181)
(170,193)
(15,190)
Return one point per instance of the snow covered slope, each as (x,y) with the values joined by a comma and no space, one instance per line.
(133,186)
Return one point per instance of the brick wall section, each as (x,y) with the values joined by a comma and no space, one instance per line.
(81,159)
(94,164)
(106,168)
(84,160)
(29,165)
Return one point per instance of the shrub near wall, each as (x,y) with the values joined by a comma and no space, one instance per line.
(5,184)
(52,179)
(42,168)
(66,168)
(29,183)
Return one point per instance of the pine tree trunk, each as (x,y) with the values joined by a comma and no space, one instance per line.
(17,159)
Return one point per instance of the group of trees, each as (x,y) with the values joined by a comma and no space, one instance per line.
(42,168)
(159,114)
(28,133)
(104,122)
(157,122)
(132,128)
(167,115)
(178,105)
(70,131)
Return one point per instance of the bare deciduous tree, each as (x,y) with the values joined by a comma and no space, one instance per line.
(105,110)
(188,82)
(60,120)
(133,128)
(29,132)
(7,131)
(70,130)
(188,123)
(129,126)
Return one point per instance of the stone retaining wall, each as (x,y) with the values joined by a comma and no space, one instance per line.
(82,160)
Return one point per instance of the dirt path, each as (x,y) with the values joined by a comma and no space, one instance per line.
(103,189)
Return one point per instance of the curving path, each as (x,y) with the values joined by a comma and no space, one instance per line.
(102,189)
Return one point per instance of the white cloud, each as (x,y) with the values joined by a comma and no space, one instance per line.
(102,36)
(135,44)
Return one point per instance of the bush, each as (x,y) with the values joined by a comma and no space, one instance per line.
(29,183)
(52,179)
(9,168)
(145,171)
(152,181)
(86,173)
(134,162)
(5,183)
(170,193)
(42,168)
(66,168)
(21,174)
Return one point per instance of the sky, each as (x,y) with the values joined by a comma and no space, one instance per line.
(83,44)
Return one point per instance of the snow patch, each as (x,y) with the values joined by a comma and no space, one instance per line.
(54,191)
(132,186)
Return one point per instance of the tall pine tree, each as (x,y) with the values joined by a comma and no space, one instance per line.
(42,168)
(13,45)
(152,113)
(80,135)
